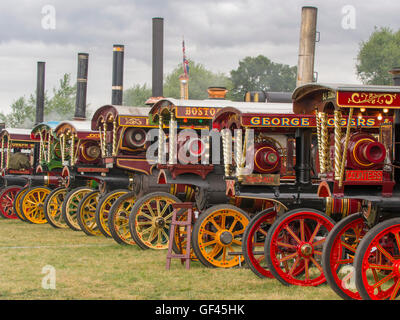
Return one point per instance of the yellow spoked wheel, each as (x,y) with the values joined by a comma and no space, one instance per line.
(86,213)
(32,204)
(17,202)
(103,210)
(52,208)
(150,219)
(118,220)
(70,205)
(218,231)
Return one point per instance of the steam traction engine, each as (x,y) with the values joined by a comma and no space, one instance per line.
(30,201)
(16,161)
(263,161)
(364,168)
(123,131)
(80,156)
(151,215)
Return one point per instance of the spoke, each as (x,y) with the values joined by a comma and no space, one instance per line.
(315,232)
(215,223)
(238,232)
(344,261)
(293,267)
(286,245)
(223,221)
(383,280)
(395,290)
(288,229)
(378,266)
(384,252)
(302,229)
(142,214)
(397,240)
(290,256)
(235,241)
(317,264)
(233,224)
(209,243)
(150,210)
(344,244)
(224,254)
(261,258)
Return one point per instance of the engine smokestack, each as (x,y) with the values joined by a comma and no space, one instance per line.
(308,30)
(157,57)
(40,92)
(81,86)
(117,74)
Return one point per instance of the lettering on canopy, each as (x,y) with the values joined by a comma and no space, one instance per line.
(368,99)
(196,112)
(135,121)
(308,121)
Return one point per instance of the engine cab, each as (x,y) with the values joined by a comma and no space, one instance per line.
(357,154)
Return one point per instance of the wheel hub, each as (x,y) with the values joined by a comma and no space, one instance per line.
(159,222)
(396,268)
(226,237)
(306,249)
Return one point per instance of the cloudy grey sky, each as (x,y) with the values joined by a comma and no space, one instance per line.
(217,34)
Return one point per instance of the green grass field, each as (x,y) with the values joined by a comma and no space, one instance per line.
(99,268)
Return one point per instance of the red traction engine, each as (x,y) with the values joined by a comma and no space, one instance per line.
(263,162)
(360,256)
(16,163)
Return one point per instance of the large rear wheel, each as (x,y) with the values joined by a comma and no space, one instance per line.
(338,255)
(52,208)
(377,262)
(150,220)
(86,213)
(218,231)
(118,220)
(294,243)
(17,202)
(70,205)
(254,240)
(7,199)
(103,210)
(32,204)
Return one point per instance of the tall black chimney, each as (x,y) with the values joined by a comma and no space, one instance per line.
(81,86)
(40,92)
(117,74)
(158,51)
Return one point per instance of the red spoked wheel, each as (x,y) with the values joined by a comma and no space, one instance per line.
(338,255)
(377,262)
(294,242)
(7,198)
(253,242)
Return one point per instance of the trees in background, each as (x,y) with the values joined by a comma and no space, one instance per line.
(61,106)
(253,73)
(376,56)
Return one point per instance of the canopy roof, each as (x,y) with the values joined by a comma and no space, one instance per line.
(310,96)
(207,109)
(124,115)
